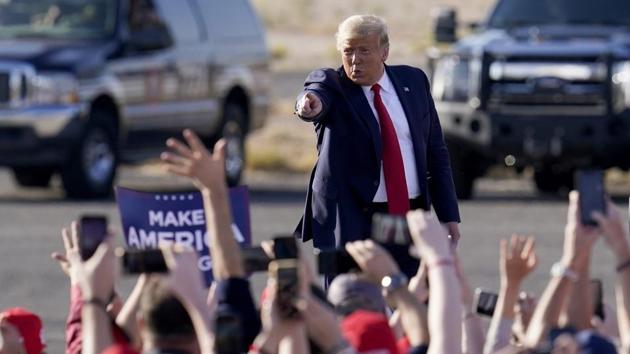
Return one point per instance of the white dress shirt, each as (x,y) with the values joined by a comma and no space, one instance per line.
(397,115)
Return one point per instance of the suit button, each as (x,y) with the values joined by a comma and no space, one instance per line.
(375,183)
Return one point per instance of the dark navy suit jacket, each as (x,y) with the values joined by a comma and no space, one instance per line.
(347,173)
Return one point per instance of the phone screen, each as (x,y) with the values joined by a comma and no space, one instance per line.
(390,229)
(92,231)
(590,185)
(285,247)
(286,274)
(144,261)
(485,302)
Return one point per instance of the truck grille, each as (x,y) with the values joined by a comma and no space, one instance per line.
(551,87)
(15,79)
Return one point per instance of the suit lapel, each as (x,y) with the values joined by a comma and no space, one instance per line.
(361,106)
(404,96)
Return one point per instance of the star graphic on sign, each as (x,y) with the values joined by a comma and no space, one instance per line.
(157,197)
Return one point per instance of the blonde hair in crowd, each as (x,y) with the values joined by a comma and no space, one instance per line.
(360,26)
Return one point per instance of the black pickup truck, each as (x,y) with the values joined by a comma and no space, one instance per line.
(542,84)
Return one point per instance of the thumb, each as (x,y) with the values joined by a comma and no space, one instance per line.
(218,153)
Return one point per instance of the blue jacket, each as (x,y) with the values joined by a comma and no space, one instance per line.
(347,172)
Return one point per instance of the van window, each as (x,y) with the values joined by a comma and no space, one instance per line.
(181,20)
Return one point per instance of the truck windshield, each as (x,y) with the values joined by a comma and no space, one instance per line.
(516,13)
(63,19)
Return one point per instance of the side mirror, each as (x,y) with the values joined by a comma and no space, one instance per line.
(445,25)
(150,38)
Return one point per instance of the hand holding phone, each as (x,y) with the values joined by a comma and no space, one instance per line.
(590,185)
(92,232)
(285,272)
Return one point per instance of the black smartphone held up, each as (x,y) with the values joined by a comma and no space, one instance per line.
(390,229)
(285,272)
(285,247)
(335,261)
(485,301)
(597,292)
(92,231)
(143,261)
(590,185)
(255,259)
(227,333)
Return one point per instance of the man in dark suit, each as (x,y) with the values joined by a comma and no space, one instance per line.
(379,141)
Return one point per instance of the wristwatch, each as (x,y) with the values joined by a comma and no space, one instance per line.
(391,283)
(559,269)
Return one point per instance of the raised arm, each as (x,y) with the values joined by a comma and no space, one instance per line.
(444,293)
(578,243)
(616,237)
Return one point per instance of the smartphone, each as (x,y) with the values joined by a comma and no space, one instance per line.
(227,333)
(285,247)
(255,259)
(485,301)
(590,185)
(335,261)
(143,261)
(390,229)
(285,272)
(597,292)
(92,232)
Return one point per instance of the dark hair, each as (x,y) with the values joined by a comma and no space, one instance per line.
(164,315)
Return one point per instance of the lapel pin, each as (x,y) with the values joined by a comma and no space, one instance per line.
(406,89)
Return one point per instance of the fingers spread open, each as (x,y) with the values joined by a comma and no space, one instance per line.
(179,147)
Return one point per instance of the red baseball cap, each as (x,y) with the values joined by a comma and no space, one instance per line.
(369,331)
(30,327)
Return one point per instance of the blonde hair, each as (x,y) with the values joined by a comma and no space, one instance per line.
(361,26)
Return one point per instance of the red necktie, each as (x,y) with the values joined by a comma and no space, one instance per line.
(393,167)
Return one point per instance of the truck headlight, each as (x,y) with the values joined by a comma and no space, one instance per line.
(54,88)
(621,86)
(452,79)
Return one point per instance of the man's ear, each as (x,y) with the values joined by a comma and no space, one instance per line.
(385,53)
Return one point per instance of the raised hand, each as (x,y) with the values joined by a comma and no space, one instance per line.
(578,238)
(193,160)
(373,259)
(309,105)
(613,230)
(429,236)
(97,275)
(517,259)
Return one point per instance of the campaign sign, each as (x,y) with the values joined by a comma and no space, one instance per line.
(152,219)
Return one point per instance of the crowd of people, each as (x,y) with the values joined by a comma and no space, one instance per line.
(369,311)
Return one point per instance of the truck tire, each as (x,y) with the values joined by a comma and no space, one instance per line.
(463,175)
(91,169)
(550,181)
(234,131)
(32,176)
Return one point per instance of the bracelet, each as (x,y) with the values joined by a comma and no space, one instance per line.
(96,302)
(623,266)
(442,262)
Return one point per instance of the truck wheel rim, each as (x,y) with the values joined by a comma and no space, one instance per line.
(98,157)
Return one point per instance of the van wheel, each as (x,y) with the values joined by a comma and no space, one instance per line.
(551,181)
(91,169)
(233,132)
(32,176)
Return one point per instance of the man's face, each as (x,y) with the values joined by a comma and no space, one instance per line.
(363,59)
(10,339)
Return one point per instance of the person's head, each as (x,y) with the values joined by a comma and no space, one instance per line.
(163,320)
(20,332)
(363,43)
(350,292)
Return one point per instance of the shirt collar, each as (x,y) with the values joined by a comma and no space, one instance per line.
(384,82)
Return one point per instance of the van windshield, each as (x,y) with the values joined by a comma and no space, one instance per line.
(63,19)
(516,13)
